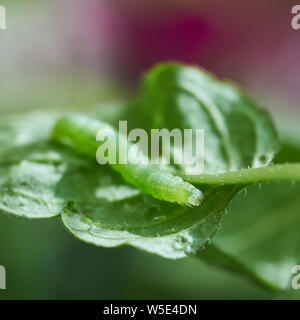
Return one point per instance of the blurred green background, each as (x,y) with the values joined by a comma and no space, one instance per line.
(75,54)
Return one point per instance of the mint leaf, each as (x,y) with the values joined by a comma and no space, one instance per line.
(214,256)
(262,231)
(29,179)
(41,179)
(165,91)
(262,227)
(31,166)
(23,129)
(159,227)
(238,135)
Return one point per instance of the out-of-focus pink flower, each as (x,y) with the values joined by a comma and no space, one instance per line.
(248,41)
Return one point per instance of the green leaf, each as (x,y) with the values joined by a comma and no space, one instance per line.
(39,179)
(26,185)
(29,176)
(159,227)
(238,135)
(262,231)
(166,91)
(31,166)
(214,256)
(23,129)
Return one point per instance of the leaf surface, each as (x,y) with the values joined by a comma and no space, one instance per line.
(39,179)
(261,230)
(238,134)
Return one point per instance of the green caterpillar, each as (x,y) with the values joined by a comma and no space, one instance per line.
(79,131)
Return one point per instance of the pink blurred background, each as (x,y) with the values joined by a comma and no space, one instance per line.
(98,44)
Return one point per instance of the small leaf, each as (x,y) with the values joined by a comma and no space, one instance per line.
(166,229)
(25,128)
(29,178)
(26,184)
(238,135)
(218,258)
(261,230)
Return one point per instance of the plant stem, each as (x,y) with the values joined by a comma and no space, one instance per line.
(278,172)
